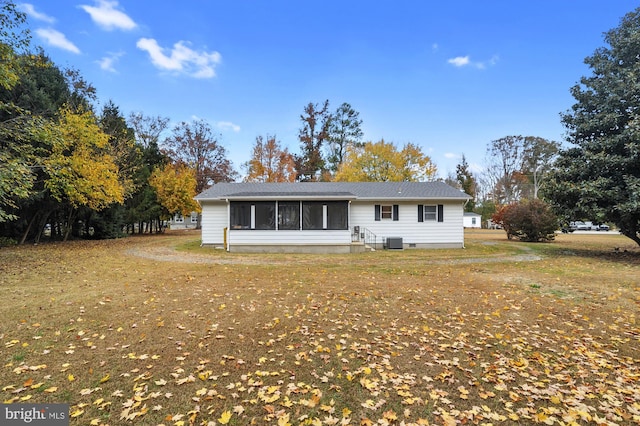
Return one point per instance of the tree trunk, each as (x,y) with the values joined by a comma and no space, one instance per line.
(68,227)
(26,232)
(41,225)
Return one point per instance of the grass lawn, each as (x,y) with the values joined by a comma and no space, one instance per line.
(156,330)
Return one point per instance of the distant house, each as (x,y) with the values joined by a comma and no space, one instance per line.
(178,221)
(472,220)
(339,217)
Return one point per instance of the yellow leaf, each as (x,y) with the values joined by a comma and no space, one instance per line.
(225,417)
(105,378)
(284,420)
(71,378)
(76,413)
(51,389)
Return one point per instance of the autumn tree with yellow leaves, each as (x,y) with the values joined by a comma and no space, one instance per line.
(175,186)
(383,162)
(80,170)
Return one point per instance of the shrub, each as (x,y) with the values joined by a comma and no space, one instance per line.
(528,220)
(6,242)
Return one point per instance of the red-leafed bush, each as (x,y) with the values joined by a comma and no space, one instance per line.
(527,220)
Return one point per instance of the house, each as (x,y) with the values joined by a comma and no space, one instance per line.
(338,217)
(180,222)
(472,220)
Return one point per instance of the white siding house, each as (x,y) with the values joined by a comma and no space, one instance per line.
(178,221)
(472,220)
(336,217)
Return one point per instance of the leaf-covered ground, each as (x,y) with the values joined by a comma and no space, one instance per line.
(483,335)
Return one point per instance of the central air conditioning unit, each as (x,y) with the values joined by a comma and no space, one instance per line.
(394,243)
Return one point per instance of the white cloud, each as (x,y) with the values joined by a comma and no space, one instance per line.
(181,58)
(451,156)
(105,15)
(435,47)
(459,61)
(30,10)
(57,39)
(108,62)
(463,61)
(227,125)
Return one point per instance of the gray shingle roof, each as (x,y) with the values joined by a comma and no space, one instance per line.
(334,190)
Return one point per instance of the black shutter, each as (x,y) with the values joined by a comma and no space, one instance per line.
(395,212)
(420,213)
(377,212)
(440,213)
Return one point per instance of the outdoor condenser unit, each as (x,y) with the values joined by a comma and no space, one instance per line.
(394,243)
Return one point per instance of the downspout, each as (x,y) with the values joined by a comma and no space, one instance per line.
(463,206)
(226,232)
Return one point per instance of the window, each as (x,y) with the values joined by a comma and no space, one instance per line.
(473,220)
(431,213)
(194,217)
(264,215)
(337,215)
(313,215)
(289,215)
(258,215)
(325,215)
(178,218)
(240,215)
(387,212)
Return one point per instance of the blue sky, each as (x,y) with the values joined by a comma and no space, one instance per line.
(447,76)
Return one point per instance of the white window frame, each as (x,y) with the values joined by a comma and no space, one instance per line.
(386,215)
(430,216)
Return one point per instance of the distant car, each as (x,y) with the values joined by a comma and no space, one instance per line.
(602,227)
(579,225)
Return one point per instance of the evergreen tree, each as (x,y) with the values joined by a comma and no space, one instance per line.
(598,177)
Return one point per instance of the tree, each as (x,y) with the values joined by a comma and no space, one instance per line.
(195,145)
(175,185)
(504,161)
(467,183)
(316,120)
(270,163)
(147,129)
(29,110)
(81,172)
(344,132)
(598,177)
(527,220)
(142,208)
(382,162)
(16,179)
(14,40)
(127,156)
(121,145)
(538,155)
